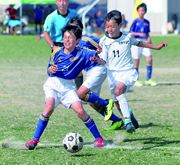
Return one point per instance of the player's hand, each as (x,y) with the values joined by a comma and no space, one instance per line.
(99,49)
(161,45)
(143,35)
(53,69)
(93,59)
(55,47)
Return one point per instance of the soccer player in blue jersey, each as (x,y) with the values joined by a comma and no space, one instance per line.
(65,64)
(95,76)
(140,29)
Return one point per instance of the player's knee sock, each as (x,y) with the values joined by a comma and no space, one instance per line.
(136,67)
(90,124)
(149,71)
(96,100)
(42,123)
(113,117)
(78,81)
(124,106)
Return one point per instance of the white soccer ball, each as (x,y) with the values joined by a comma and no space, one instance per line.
(73,142)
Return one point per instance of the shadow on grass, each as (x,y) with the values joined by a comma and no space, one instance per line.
(164,84)
(152,125)
(82,155)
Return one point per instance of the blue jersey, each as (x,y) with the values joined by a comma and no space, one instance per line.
(89,42)
(38,13)
(55,22)
(69,66)
(139,26)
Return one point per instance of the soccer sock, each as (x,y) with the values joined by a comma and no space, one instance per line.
(149,71)
(124,106)
(136,67)
(113,117)
(90,124)
(42,123)
(78,81)
(96,100)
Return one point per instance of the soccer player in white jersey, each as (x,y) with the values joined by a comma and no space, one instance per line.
(117,58)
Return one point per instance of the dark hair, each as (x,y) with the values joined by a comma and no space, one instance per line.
(142,5)
(74,29)
(75,20)
(114,15)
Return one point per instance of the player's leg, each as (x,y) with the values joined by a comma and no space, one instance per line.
(149,81)
(124,106)
(88,121)
(94,79)
(136,55)
(42,123)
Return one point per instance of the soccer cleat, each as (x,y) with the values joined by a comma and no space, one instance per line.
(99,33)
(39,37)
(32,144)
(133,119)
(150,82)
(115,125)
(108,110)
(138,84)
(129,126)
(99,142)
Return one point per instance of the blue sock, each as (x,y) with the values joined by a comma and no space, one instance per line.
(149,71)
(136,67)
(42,123)
(90,124)
(96,100)
(113,118)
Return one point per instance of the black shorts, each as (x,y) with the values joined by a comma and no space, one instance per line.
(60,44)
(38,21)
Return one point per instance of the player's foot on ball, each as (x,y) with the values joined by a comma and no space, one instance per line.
(108,110)
(99,142)
(133,119)
(115,125)
(150,82)
(32,144)
(129,126)
(138,84)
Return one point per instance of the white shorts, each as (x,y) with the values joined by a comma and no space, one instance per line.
(62,90)
(94,79)
(128,77)
(138,51)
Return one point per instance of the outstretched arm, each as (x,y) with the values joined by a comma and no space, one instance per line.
(151,46)
(98,60)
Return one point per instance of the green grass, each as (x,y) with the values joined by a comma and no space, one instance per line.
(23,72)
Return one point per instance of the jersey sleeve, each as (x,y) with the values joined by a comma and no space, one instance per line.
(48,24)
(133,40)
(132,29)
(104,52)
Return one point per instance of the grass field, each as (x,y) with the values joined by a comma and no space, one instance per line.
(23,62)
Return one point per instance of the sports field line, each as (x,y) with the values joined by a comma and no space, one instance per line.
(20,145)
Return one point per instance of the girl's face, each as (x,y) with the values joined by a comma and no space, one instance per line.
(141,12)
(70,41)
(113,28)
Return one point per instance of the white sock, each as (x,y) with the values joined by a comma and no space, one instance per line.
(123,103)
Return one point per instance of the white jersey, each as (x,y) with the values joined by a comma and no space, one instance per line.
(117,52)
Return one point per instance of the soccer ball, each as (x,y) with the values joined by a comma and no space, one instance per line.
(73,142)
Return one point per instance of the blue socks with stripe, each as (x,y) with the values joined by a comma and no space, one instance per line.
(42,123)
(90,124)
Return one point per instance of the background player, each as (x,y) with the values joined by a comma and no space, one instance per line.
(66,63)
(140,29)
(116,56)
